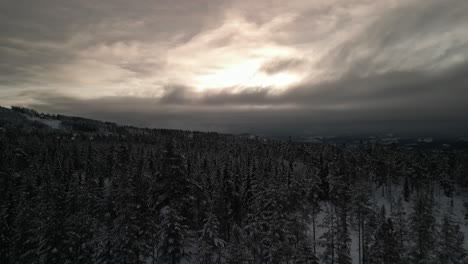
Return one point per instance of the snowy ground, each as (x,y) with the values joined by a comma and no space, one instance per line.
(50,122)
(385,198)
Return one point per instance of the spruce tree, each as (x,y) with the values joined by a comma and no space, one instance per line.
(384,248)
(174,237)
(328,240)
(399,220)
(210,244)
(450,244)
(423,230)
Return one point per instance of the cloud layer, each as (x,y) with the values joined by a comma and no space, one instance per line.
(240,66)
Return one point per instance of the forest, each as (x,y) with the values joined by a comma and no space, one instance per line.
(95,192)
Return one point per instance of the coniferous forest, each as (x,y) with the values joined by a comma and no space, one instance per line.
(93,192)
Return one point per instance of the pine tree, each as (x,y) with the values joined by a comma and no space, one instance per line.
(25,240)
(304,254)
(314,203)
(174,237)
(328,240)
(465,206)
(340,191)
(371,222)
(210,244)
(174,182)
(406,190)
(451,241)
(52,228)
(384,248)
(80,224)
(399,219)
(361,209)
(423,230)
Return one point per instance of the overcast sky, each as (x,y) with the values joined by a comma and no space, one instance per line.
(299,66)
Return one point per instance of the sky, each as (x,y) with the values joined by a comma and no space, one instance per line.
(263,66)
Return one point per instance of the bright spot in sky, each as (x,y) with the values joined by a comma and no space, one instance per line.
(245,75)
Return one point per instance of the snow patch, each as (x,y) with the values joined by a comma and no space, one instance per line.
(426,140)
(49,122)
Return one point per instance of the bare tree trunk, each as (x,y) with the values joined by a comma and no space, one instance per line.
(359,238)
(363,243)
(333,241)
(313,231)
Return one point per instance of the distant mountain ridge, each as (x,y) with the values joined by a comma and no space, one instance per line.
(32,118)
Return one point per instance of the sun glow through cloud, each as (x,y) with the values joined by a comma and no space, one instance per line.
(244,75)
(232,56)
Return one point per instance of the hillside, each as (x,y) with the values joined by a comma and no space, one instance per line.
(76,190)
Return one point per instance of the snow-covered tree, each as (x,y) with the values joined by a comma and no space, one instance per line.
(450,243)
(174,237)
(210,244)
(423,230)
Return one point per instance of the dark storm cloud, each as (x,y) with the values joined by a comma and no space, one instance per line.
(423,18)
(49,33)
(365,65)
(404,89)
(417,35)
(419,104)
(176,94)
(60,20)
(280,65)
